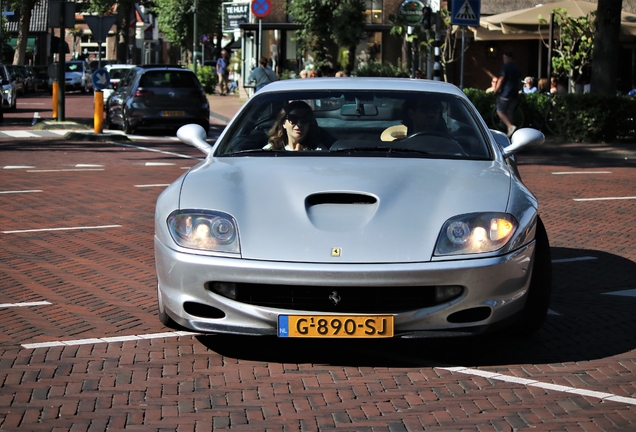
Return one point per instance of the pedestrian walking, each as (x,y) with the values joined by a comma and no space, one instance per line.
(507,90)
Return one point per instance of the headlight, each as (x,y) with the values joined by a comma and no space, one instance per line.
(204,230)
(475,233)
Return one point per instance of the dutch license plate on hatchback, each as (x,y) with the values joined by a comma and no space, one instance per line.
(336,326)
(172,113)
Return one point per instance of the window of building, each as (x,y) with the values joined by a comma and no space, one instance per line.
(374,11)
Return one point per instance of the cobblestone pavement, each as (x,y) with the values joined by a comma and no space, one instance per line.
(81,348)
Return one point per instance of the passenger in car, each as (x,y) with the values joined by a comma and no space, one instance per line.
(425,115)
(295,129)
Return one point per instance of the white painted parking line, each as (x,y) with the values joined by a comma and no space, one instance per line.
(624,293)
(580,172)
(60,229)
(605,198)
(24,304)
(159,163)
(551,312)
(17,167)
(159,151)
(108,339)
(65,170)
(564,260)
(20,134)
(20,191)
(152,185)
(547,386)
(87,166)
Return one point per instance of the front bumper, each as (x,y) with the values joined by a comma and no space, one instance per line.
(497,283)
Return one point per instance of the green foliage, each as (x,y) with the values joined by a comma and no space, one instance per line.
(484,102)
(100,7)
(573,43)
(287,74)
(591,118)
(176,20)
(326,25)
(580,117)
(207,77)
(379,69)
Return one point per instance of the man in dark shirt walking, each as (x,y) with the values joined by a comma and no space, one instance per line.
(507,90)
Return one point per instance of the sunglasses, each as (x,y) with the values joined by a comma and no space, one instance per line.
(295,119)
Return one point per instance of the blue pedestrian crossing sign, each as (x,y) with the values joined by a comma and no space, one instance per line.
(465,12)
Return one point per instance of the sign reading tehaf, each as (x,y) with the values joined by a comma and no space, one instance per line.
(235,14)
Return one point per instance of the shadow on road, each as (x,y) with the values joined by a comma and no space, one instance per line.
(585,324)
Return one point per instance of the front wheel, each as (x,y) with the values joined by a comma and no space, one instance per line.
(128,129)
(540,290)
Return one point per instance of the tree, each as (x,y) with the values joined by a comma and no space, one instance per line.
(176,21)
(573,44)
(77,33)
(423,40)
(604,67)
(26,6)
(326,24)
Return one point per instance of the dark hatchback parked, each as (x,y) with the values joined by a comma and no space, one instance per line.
(158,96)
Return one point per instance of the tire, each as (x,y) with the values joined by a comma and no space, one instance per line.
(128,129)
(549,121)
(540,290)
(107,123)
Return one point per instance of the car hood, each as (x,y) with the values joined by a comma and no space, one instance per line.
(344,210)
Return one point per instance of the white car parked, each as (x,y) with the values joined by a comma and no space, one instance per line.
(116,73)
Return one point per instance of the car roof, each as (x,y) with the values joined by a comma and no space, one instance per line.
(120,66)
(362,83)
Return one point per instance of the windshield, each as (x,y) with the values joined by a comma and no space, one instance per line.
(360,123)
(74,67)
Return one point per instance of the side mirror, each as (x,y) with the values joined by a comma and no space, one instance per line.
(523,139)
(194,135)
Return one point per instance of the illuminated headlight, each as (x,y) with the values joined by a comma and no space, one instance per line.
(204,230)
(475,233)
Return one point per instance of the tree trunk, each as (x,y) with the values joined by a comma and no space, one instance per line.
(605,55)
(23,31)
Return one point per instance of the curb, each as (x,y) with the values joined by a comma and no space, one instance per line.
(91,136)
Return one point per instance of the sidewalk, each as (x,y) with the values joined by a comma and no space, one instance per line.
(223,108)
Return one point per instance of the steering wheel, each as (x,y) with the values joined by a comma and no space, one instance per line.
(459,148)
(431,133)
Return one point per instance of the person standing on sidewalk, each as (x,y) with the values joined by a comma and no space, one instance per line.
(222,72)
(507,90)
(262,74)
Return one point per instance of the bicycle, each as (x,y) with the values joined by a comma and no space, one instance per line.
(518,119)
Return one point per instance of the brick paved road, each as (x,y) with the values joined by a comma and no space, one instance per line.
(577,373)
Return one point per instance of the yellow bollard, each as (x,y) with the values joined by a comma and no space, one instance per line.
(54,90)
(98,121)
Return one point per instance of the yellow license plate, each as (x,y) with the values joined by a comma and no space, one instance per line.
(335,326)
(172,113)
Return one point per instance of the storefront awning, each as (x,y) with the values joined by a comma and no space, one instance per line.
(13,42)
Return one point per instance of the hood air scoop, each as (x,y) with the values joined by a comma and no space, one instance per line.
(340,211)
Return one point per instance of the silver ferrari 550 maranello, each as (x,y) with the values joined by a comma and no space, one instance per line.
(353,208)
